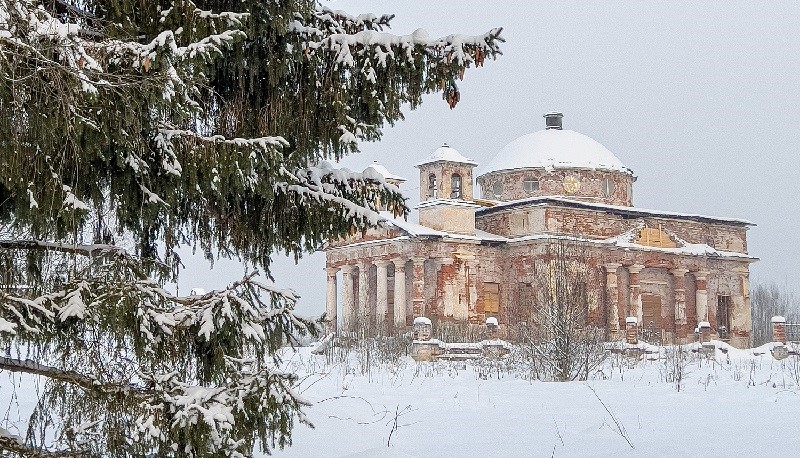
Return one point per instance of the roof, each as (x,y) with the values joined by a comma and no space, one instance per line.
(552,149)
(383,171)
(446,153)
(629,212)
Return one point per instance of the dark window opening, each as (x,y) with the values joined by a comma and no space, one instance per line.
(455,186)
(432,186)
(724,316)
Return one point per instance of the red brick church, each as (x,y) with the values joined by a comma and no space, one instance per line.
(471,258)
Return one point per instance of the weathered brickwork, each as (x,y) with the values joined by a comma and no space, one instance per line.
(443,172)
(470,260)
(599,224)
(550,183)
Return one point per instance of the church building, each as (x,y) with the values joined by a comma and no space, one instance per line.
(471,258)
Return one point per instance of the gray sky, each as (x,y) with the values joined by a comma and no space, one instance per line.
(700,99)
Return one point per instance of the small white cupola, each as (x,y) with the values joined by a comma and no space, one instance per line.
(376,168)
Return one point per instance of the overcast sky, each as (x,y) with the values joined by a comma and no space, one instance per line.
(700,99)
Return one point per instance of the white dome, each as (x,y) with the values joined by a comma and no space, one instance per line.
(447,153)
(555,148)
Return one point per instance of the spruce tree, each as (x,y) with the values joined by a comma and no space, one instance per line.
(130,128)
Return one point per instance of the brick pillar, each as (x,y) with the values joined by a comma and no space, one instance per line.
(471,274)
(348,298)
(418,293)
(779,329)
(741,328)
(446,291)
(635,292)
(701,295)
(400,300)
(612,297)
(631,330)
(679,290)
(330,299)
(381,296)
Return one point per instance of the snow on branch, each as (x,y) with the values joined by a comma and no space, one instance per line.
(213,412)
(87,382)
(339,32)
(79,249)
(325,183)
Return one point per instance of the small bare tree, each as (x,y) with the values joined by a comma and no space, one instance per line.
(568,346)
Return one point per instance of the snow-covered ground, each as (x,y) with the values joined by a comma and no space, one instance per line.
(735,404)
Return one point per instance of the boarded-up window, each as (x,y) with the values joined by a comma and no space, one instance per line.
(655,237)
(723,314)
(651,310)
(491,298)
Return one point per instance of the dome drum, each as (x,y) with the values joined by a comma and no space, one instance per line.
(580,184)
(557,162)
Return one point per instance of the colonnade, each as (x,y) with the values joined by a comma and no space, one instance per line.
(634,294)
(356,304)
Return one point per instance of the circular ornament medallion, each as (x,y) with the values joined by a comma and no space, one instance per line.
(571,184)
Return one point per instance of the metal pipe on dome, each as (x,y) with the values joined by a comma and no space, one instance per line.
(552,120)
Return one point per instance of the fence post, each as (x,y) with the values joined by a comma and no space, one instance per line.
(705,331)
(631,330)
(779,329)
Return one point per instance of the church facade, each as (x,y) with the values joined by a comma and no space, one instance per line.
(470,258)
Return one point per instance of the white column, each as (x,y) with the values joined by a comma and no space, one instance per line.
(400,293)
(612,296)
(680,295)
(418,289)
(363,296)
(636,291)
(348,298)
(381,296)
(330,303)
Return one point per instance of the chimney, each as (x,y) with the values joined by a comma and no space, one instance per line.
(552,120)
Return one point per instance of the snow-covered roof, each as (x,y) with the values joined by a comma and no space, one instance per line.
(375,167)
(617,209)
(446,153)
(418,230)
(623,240)
(552,149)
(447,202)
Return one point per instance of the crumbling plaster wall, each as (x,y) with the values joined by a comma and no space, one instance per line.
(601,225)
(551,183)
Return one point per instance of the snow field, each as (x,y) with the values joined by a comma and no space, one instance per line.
(734,404)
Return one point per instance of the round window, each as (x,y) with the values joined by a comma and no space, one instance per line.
(608,187)
(530,185)
(497,188)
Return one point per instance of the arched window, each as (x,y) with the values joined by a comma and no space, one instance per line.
(608,187)
(455,186)
(432,186)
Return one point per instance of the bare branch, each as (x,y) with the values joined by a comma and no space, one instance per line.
(88,383)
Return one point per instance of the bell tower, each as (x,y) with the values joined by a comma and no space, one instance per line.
(446,191)
(446,174)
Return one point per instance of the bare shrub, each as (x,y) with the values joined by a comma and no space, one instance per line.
(675,364)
